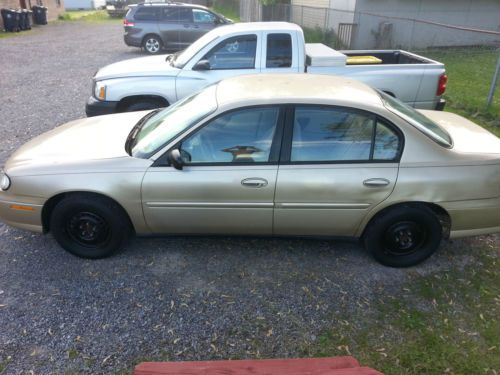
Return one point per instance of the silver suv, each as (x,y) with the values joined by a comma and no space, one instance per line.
(172,26)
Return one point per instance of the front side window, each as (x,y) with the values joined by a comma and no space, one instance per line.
(147,14)
(336,135)
(233,53)
(202,16)
(279,51)
(242,136)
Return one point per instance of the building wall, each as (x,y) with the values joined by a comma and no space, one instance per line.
(481,14)
(55,7)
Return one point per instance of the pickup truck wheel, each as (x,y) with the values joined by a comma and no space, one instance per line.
(152,44)
(404,236)
(89,226)
(144,105)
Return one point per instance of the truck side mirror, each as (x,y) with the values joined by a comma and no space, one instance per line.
(202,65)
(175,159)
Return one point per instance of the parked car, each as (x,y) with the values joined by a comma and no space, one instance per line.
(284,155)
(258,47)
(170,25)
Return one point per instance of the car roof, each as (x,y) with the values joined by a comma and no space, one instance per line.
(259,26)
(296,88)
(171,4)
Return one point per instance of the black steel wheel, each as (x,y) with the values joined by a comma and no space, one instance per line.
(89,226)
(404,236)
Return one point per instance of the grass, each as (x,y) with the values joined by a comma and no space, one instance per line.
(470,72)
(442,323)
(233,14)
(88,16)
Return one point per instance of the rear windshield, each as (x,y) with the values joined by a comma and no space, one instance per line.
(418,120)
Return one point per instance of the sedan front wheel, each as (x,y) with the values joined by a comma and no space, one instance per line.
(89,226)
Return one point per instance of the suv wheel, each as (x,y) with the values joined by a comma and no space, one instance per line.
(152,44)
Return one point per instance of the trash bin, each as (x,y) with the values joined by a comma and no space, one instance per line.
(40,14)
(29,17)
(10,19)
(23,19)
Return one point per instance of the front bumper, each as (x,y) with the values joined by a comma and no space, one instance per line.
(96,107)
(22,215)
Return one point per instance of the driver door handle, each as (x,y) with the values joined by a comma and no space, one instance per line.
(376,182)
(254,182)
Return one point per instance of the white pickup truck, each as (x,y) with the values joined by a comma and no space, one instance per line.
(259,47)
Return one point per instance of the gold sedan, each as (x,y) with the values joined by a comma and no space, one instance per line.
(282,155)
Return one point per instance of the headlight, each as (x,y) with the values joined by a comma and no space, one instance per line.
(4,181)
(100,91)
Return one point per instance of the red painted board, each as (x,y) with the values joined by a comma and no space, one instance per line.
(303,366)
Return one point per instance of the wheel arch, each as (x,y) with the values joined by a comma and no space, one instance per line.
(52,202)
(442,215)
(125,102)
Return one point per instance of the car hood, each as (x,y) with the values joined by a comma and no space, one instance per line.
(467,136)
(139,67)
(80,141)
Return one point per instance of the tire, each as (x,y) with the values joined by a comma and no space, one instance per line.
(89,226)
(403,236)
(144,105)
(152,44)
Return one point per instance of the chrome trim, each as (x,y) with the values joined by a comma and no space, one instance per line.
(323,205)
(209,205)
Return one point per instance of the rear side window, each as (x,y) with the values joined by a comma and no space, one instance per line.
(177,15)
(279,51)
(337,134)
(147,14)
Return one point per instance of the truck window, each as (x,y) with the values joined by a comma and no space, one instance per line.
(279,51)
(233,53)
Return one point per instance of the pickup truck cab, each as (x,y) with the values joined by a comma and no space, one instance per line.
(259,47)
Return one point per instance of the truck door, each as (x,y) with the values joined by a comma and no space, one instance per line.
(233,56)
(279,53)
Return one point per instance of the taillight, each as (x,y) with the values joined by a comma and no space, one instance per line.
(128,23)
(443,78)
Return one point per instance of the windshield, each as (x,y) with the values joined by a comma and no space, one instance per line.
(189,52)
(172,121)
(421,122)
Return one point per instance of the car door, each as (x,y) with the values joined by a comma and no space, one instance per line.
(337,164)
(235,55)
(228,179)
(203,21)
(170,27)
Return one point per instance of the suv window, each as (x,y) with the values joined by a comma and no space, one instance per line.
(279,51)
(202,16)
(233,53)
(336,134)
(242,136)
(147,13)
(177,14)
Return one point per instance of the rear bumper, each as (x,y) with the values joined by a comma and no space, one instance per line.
(473,218)
(440,104)
(132,41)
(96,107)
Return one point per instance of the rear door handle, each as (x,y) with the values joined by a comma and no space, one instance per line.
(254,182)
(376,182)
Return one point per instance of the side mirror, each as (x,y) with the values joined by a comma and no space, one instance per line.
(175,159)
(202,65)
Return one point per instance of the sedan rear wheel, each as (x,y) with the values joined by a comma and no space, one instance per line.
(404,236)
(89,226)
(152,44)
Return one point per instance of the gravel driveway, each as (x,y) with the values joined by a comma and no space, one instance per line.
(175,298)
